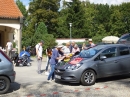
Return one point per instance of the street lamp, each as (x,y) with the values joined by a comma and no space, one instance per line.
(70,30)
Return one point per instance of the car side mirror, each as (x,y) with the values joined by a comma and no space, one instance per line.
(0,60)
(102,58)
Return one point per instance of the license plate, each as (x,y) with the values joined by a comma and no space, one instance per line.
(57,76)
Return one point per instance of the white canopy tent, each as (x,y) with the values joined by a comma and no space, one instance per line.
(110,39)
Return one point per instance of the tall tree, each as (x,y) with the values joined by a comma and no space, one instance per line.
(25,38)
(44,11)
(22,8)
(125,9)
(42,34)
(73,12)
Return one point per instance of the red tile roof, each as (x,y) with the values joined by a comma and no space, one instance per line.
(9,9)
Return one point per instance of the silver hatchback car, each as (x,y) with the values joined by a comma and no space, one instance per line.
(7,73)
(97,62)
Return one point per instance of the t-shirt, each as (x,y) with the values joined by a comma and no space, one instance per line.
(55,54)
(66,50)
(9,45)
(40,49)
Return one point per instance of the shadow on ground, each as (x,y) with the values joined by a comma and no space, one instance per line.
(100,80)
(14,87)
(67,83)
(114,78)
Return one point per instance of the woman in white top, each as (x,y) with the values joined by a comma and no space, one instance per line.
(66,49)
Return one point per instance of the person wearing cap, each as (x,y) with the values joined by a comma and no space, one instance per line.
(39,51)
(54,60)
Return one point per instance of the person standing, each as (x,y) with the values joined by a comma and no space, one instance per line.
(53,61)
(9,46)
(75,49)
(48,54)
(91,43)
(66,49)
(72,46)
(39,51)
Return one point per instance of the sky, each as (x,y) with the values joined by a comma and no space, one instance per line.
(110,2)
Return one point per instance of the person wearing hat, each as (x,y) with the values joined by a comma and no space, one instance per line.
(54,60)
(39,51)
(91,43)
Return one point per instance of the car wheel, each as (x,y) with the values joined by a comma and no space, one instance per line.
(88,78)
(4,84)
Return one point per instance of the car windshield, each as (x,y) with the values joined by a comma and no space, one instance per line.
(90,52)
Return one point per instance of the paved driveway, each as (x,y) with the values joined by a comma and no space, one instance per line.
(30,84)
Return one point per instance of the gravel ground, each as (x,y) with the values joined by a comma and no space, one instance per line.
(30,84)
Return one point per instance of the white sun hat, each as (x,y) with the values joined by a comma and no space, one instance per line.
(59,46)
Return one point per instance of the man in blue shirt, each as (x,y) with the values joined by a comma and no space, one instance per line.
(54,60)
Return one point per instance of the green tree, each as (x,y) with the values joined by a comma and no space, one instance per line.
(91,24)
(124,9)
(73,12)
(25,38)
(44,11)
(22,8)
(41,30)
(42,34)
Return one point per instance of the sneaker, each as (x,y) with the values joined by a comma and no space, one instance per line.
(38,72)
(28,64)
(46,73)
(48,81)
(53,80)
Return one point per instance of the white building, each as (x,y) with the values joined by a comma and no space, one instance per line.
(65,40)
(11,20)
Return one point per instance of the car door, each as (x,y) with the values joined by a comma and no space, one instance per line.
(124,57)
(109,65)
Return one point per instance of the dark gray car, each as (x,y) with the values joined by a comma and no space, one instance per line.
(7,73)
(97,62)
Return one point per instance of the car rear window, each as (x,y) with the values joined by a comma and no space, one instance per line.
(124,51)
(5,56)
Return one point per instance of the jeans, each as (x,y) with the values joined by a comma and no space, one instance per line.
(28,60)
(51,75)
(48,59)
